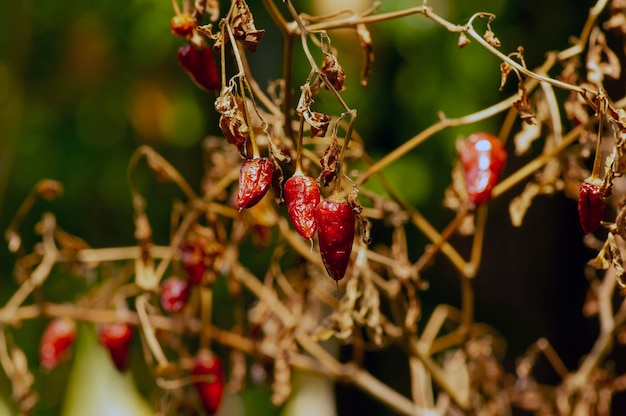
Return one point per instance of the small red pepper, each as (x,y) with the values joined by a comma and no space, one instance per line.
(335,222)
(199,64)
(116,337)
(483,158)
(56,340)
(174,294)
(211,391)
(255,178)
(302,195)
(590,205)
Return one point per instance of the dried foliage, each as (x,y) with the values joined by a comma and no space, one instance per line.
(455,362)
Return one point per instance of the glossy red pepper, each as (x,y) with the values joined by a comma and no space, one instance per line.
(302,195)
(255,178)
(590,205)
(335,222)
(116,337)
(199,63)
(56,340)
(210,392)
(483,158)
(174,294)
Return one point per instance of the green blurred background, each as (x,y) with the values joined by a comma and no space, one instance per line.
(83,84)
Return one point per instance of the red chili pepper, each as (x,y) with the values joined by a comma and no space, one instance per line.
(174,294)
(590,205)
(182,25)
(483,158)
(193,256)
(199,64)
(116,337)
(255,178)
(211,391)
(335,222)
(56,340)
(301,197)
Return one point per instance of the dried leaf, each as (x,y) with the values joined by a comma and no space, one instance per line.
(601,60)
(525,137)
(520,204)
(243,27)
(491,38)
(329,162)
(463,40)
(333,72)
(232,120)
(365,39)
(319,122)
(522,105)
(505,70)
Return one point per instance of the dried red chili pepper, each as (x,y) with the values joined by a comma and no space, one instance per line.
(56,340)
(182,24)
(302,195)
(483,158)
(116,337)
(210,392)
(255,178)
(335,223)
(590,205)
(199,64)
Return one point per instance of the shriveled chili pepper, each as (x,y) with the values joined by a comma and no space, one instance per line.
(255,178)
(199,63)
(302,195)
(483,158)
(56,340)
(206,363)
(116,337)
(335,223)
(590,204)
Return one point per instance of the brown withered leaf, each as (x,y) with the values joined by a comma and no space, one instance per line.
(305,101)
(243,27)
(329,162)
(601,60)
(491,38)
(333,71)
(520,204)
(207,30)
(319,122)
(525,137)
(365,39)
(463,40)
(505,70)
(353,203)
(232,120)
(522,104)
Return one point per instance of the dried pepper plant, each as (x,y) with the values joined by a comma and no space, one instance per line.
(325,279)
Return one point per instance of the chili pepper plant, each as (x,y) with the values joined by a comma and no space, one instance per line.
(288,177)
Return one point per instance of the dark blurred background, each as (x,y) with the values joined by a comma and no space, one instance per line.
(84,83)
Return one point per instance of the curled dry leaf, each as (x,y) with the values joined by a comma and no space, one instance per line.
(319,122)
(365,39)
(601,60)
(491,38)
(329,162)
(232,120)
(243,27)
(525,137)
(463,40)
(505,70)
(522,104)
(333,72)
